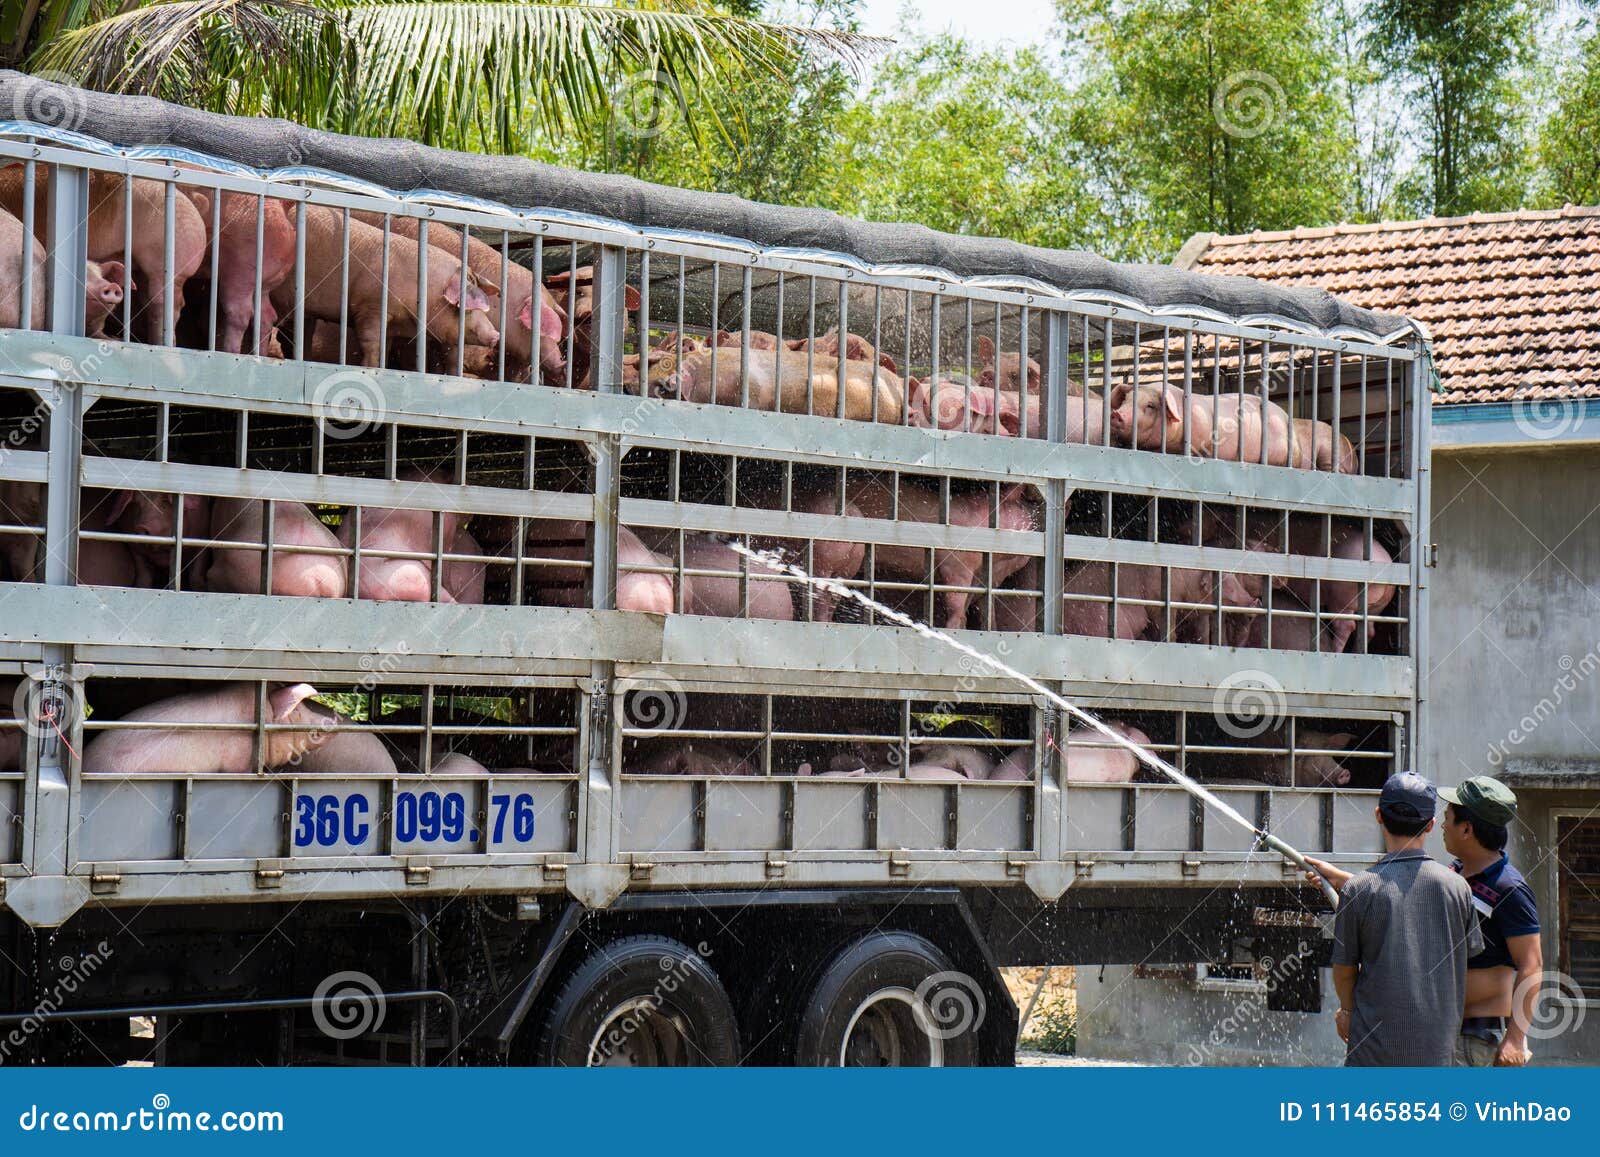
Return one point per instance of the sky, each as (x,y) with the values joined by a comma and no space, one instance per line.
(990,22)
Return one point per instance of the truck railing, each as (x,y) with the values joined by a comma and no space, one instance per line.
(592,501)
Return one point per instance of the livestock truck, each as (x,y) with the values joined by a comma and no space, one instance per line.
(551,772)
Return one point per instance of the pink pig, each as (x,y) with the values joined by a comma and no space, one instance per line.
(238,571)
(176,751)
(829,558)
(453,300)
(1109,763)
(1018,510)
(722,595)
(1228,427)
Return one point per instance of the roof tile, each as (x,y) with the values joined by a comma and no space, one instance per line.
(1512,299)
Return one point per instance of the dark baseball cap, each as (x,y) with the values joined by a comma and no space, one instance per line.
(1488,799)
(1408,796)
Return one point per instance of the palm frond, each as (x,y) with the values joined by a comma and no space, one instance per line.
(458,72)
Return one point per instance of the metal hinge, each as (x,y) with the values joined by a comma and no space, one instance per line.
(269,874)
(104,883)
(1017,868)
(556,872)
(1433,554)
(640,869)
(776,867)
(1191,867)
(899,866)
(418,874)
(1085,867)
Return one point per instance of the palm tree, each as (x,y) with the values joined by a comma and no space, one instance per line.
(487,74)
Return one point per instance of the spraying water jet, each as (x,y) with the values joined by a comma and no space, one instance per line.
(1143,754)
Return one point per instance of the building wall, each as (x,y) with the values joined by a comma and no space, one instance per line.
(1514,680)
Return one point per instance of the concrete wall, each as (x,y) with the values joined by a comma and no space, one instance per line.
(1514,674)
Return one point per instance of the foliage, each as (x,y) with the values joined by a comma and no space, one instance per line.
(1053,1027)
(1217,115)
(470,73)
(1462,67)
(1372,128)
(787,121)
(1569,144)
(966,141)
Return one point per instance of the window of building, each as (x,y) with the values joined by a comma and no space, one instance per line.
(1578,901)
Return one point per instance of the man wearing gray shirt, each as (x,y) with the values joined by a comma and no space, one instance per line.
(1402,935)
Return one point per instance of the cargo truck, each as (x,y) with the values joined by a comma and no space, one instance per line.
(604,789)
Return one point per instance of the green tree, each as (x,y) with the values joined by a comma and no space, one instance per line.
(963,140)
(1462,65)
(1209,115)
(788,119)
(468,73)
(1569,142)
(1374,132)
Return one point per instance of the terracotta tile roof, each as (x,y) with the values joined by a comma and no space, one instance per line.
(1512,299)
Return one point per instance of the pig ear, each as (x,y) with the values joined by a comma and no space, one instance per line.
(631,296)
(669,342)
(985,348)
(552,322)
(525,314)
(120,501)
(452,291)
(1341,741)
(1118,392)
(113,271)
(1033,375)
(887,363)
(202,203)
(477,299)
(282,702)
(1174,402)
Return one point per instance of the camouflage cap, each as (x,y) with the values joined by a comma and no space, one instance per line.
(1488,799)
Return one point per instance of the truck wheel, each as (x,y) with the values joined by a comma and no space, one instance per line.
(891,999)
(640,1001)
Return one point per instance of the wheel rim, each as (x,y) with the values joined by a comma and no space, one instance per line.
(640,1033)
(889,1030)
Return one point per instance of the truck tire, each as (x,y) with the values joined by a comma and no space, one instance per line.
(640,1001)
(891,999)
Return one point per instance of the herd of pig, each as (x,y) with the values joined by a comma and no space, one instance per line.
(172,742)
(1090,758)
(317,739)
(706,575)
(361,304)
